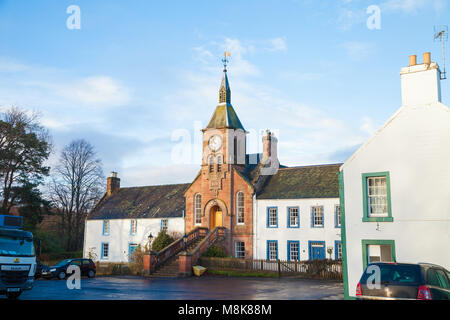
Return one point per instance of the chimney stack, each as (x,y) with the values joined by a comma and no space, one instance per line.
(112,184)
(421,83)
(269,146)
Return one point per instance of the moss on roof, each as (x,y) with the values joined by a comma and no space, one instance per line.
(319,181)
(164,201)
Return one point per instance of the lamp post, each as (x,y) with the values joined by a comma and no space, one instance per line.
(150,239)
(185,241)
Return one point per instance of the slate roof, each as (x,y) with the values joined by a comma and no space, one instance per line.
(225,117)
(319,181)
(163,201)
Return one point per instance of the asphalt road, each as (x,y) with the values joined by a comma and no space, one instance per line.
(204,288)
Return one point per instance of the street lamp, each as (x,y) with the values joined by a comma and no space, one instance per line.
(185,237)
(150,238)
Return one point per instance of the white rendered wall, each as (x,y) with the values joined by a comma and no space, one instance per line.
(414,146)
(329,233)
(119,236)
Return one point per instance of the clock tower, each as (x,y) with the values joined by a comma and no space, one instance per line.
(220,195)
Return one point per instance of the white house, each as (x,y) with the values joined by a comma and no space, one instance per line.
(125,218)
(296,215)
(395,190)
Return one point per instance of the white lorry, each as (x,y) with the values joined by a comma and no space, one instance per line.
(17,257)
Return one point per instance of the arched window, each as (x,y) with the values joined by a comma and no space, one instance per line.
(240,207)
(211,164)
(198,209)
(219,163)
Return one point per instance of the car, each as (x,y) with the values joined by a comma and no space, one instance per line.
(40,268)
(59,270)
(421,281)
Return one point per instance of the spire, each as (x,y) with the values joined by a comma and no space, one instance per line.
(225,91)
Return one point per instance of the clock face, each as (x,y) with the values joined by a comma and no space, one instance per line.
(215,142)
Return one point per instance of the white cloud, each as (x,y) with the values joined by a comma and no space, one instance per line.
(95,90)
(278,44)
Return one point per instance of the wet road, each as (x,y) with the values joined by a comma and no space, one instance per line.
(205,288)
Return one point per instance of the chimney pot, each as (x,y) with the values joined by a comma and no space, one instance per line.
(412,60)
(427,58)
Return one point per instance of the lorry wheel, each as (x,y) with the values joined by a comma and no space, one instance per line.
(91,274)
(13,295)
(61,275)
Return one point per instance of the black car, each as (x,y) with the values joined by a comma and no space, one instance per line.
(422,281)
(59,270)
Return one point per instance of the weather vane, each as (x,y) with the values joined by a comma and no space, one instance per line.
(225,60)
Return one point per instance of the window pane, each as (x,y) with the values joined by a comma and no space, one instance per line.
(377,196)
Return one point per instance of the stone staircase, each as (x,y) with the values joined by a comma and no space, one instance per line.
(170,268)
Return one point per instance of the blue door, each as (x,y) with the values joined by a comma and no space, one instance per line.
(317,250)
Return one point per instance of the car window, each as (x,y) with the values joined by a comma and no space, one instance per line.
(76,262)
(443,279)
(397,274)
(85,262)
(432,278)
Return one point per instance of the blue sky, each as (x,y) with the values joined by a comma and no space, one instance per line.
(140,73)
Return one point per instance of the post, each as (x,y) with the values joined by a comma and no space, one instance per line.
(279,268)
(185,264)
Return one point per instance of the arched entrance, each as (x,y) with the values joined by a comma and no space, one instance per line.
(216,217)
(216,211)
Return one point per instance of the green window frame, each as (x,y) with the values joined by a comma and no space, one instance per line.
(366,217)
(365,243)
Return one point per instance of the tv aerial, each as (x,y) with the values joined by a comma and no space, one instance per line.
(441,34)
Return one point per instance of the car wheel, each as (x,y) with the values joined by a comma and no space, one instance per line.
(61,275)
(91,274)
(13,295)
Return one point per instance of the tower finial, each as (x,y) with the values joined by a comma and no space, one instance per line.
(225,60)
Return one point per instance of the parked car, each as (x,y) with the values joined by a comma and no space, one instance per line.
(40,268)
(422,281)
(59,270)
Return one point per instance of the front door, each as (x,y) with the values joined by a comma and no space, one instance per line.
(317,250)
(216,217)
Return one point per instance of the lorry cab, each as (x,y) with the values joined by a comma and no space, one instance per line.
(17,257)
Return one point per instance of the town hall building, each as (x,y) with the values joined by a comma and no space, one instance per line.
(268,211)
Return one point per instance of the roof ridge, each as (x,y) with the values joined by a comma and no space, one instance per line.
(312,165)
(157,185)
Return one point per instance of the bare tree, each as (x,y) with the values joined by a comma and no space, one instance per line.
(77,184)
(24,147)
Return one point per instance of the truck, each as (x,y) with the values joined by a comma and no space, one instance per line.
(17,257)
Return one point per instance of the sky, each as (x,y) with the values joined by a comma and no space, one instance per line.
(139,79)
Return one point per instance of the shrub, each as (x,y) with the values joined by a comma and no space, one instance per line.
(215,252)
(137,259)
(161,241)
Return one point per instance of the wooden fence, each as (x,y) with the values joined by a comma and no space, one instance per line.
(317,269)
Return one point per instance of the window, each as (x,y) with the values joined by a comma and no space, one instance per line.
(272,250)
(240,207)
(293,250)
(211,164)
(272,217)
(317,218)
(293,217)
(106,227)
(443,279)
(105,251)
(378,251)
(376,197)
(164,224)
(131,248)
(338,250)
(239,249)
(219,163)
(198,209)
(337,216)
(133,227)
